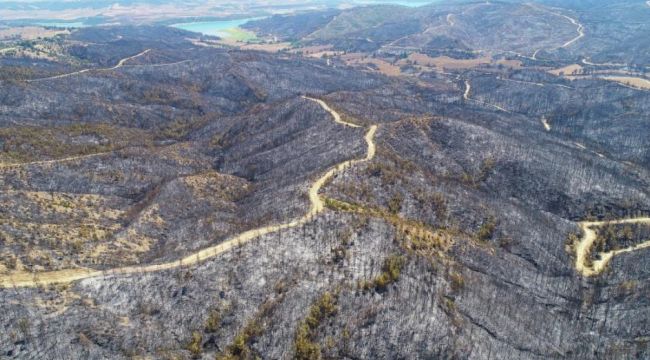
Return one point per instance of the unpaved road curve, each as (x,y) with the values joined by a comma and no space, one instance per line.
(580,28)
(335,115)
(123,61)
(450,20)
(119,65)
(586,243)
(468,88)
(27,279)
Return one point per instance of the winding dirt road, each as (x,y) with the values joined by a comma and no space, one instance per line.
(468,89)
(586,243)
(580,28)
(117,66)
(27,279)
(450,20)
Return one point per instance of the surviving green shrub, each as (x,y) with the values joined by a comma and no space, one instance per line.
(457,281)
(195,345)
(391,271)
(213,321)
(304,345)
(486,231)
(395,203)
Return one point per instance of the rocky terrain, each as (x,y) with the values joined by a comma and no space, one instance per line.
(430,184)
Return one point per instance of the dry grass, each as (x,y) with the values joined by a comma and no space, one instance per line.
(445,62)
(634,82)
(272,48)
(215,186)
(30,32)
(514,64)
(83,226)
(572,69)
(375,64)
(353,57)
(308,50)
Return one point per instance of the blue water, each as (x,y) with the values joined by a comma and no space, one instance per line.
(412,3)
(214,28)
(75,24)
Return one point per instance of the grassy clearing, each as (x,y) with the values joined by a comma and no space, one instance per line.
(239,34)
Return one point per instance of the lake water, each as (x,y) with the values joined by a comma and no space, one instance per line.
(58,24)
(220,28)
(411,3)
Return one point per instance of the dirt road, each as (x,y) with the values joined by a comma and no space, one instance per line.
(117,66)
(586,243)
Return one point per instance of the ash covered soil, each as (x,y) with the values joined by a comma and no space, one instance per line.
(456,240)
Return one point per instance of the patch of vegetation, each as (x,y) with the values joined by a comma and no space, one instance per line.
(436,200)
(391,271)
(390,167)
(213,321)
(570,244)
(305,345)
(487,229)
(238,34)
(240,346)
(195,346)
(340,252)
(395,203)
(484,171)
(180,128)
(486,168)
(415,236)
(626,288)
(339,205)
(14,74)
(457,281)
(619,236)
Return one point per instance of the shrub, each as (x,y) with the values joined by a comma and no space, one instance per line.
(486,168)
(213,321)
(571,243)
(304,345)
(195,345)
(305,348)
(486,231)
(395,203)
(391,271)
(457,281)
